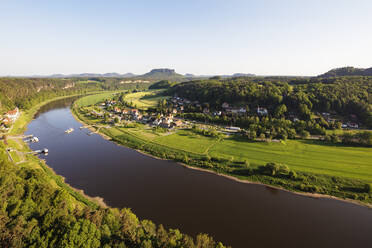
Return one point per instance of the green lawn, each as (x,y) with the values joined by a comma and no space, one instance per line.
(145,99)
(300,155)
(306,156)
(94,99)
(87,81)
(187,141)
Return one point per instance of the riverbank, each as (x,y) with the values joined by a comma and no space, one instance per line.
(45,211)
(306,184)
(33,162)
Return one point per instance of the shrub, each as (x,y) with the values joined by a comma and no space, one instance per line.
(368,188)
(273,169)
(246,163)
(292,174)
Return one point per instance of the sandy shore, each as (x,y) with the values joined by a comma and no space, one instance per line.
(312,195)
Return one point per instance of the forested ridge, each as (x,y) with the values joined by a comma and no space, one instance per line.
(26,92)
(302,96)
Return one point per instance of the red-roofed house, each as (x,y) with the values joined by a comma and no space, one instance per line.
(12,114)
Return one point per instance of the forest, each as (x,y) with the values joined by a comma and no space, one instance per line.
(26,92)
(285,97)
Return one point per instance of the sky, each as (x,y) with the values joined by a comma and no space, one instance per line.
(202,37)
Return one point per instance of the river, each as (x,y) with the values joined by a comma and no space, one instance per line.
(238,214)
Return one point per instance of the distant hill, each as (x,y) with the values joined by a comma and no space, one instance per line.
(347,71)
(83,75)
(243,75)
(188,75)
(162,74)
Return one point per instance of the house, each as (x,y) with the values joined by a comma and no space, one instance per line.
(138,117)
(156,122)
(134,112)
(344,125)
(262,111)
(353,125)
(225,105)
(125,111)
(12,114)
(177,123)
(6,121)
(233,129)
(117,110)
(242,110)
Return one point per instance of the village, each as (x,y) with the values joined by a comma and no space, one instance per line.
(8,119)
(170,117)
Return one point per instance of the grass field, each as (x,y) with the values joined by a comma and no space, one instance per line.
(300,155)
(145,99)
(94,99)
(87,81)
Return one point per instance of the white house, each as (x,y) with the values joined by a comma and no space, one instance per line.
(262,111)
(13,114)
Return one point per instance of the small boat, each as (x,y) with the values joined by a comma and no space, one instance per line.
(69,130)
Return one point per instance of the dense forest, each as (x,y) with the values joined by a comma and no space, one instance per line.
(26,92)
(302,97)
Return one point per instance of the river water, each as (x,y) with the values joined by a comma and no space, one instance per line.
(240,215)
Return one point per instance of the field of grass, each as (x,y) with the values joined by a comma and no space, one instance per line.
(94,99)
(87,81)
(300,155)
(145,99)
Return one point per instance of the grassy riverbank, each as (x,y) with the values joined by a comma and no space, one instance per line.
(339,171)
(32,162)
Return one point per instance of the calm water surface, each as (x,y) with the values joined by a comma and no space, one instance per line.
(240,215)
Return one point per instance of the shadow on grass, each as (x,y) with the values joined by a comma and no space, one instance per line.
(324,143)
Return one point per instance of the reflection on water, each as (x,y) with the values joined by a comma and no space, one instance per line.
(238,214)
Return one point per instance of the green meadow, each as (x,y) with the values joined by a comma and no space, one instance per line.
(145,99)
(300,155)
(94,99)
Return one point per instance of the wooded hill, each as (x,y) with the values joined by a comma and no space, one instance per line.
(302,96)
(25,92)
(347,71)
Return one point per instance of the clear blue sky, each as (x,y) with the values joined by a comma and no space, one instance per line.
(265,37)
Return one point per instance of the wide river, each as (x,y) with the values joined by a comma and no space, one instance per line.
(238,214)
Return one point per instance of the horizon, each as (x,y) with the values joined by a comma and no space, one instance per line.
(184,74)
(265,38)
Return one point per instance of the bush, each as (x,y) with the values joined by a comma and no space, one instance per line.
(273,169)
(292,174)
(246,164)
(368,188)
